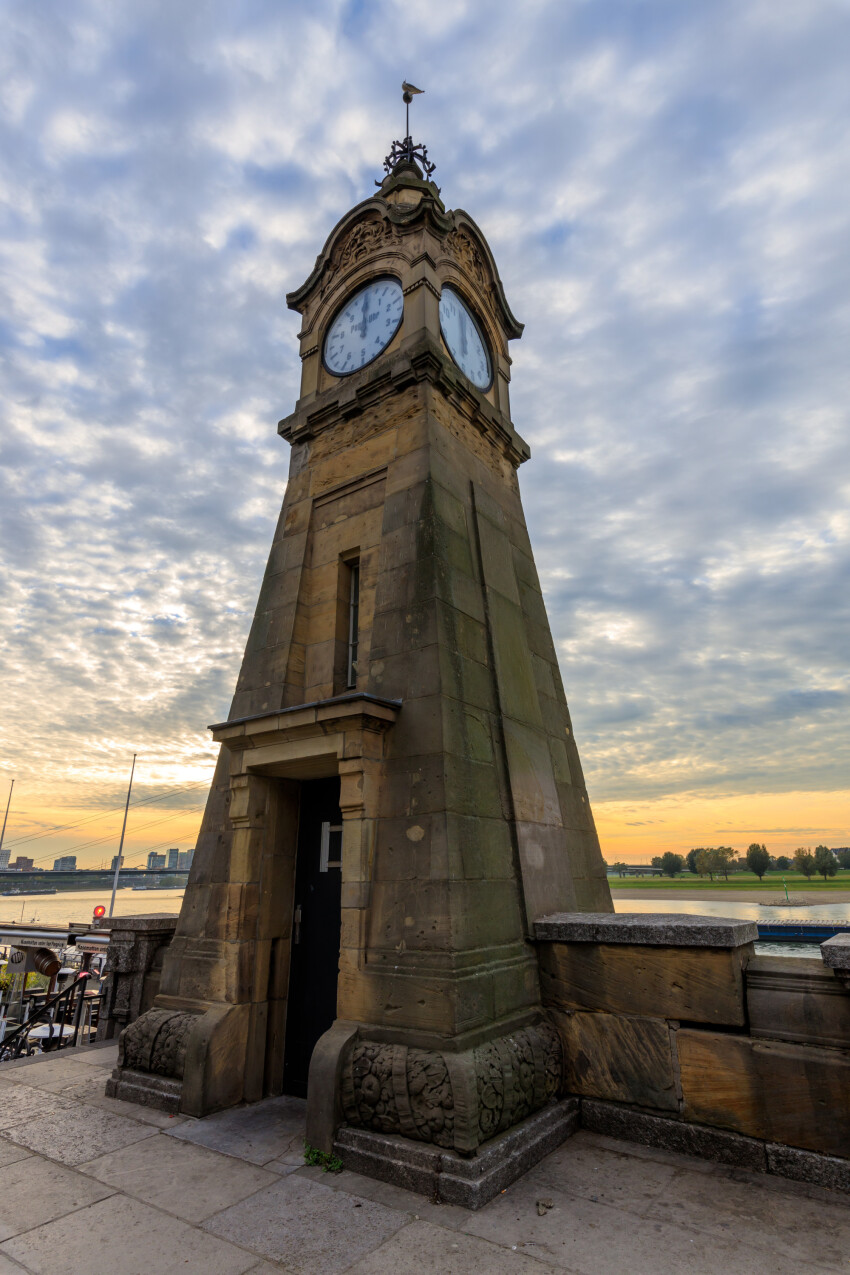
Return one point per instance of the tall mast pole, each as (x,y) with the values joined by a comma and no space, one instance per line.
(6,816)
(121,844)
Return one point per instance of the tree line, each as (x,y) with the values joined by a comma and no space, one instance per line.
(717,861)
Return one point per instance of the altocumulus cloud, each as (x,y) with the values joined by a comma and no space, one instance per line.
(664,186)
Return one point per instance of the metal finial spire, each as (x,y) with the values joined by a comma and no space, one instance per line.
(408,151)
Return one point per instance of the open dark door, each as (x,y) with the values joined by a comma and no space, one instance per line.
(314,964)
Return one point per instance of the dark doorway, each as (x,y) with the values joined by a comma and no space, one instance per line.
(314,965)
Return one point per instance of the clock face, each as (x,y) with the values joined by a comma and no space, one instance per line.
(462,336)
(364,326)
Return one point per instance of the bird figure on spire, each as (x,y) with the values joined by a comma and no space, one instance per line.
(407,93)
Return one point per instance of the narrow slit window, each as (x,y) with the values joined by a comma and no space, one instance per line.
(353,622)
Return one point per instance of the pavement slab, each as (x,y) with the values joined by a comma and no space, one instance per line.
(23,1102)
(53,1073)
(125,1237)
(720,1207)
(259,1133)
(417,1207)
(579,1168)
(180,1178)
(307,1226)
(8,1267)
(91,1092)
(75,1133)
(10,1152)
(35,1191)
(424,1249)
(588,1238)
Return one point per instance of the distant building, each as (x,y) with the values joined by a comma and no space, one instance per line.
(114,862)
(155,861)
(22,865)
(4,860)
(173,856)
(65,863)
(184,860)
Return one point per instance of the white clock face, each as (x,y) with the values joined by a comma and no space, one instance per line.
(461,335)
(364,327)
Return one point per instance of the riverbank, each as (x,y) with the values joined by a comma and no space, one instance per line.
(733,895)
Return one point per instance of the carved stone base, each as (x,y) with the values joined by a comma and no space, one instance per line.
(451,1100)
(145,1088)
(449,1178)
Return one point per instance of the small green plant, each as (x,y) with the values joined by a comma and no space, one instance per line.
(324,1160)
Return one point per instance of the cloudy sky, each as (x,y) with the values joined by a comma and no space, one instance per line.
(664,185)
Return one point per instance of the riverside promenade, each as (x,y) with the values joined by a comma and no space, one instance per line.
(90,1184)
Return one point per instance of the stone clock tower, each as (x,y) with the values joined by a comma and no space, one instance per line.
(398,794)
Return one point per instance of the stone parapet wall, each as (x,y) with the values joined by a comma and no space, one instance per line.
(672,1028)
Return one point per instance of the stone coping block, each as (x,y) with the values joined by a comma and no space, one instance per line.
(151,922)
(836,952)
(656,929)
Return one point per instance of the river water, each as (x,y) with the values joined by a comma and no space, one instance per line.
(78,905)
(60,909)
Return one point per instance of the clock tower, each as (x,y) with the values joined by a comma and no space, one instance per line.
(398,794)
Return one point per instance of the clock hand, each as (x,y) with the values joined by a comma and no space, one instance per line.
(362,323)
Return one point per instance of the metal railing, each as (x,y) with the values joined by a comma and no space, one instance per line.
(66,1016)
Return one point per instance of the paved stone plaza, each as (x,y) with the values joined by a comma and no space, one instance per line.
(90,1184)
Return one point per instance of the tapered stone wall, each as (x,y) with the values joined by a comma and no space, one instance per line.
(465,813)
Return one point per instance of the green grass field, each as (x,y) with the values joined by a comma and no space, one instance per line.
(795,881)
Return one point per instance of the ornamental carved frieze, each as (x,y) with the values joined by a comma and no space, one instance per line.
(467,254)
(358,244)
(394,1089)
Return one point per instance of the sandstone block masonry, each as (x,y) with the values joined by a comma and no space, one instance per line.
(674,1033)
(401,650)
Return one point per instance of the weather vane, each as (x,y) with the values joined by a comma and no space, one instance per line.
(406,150)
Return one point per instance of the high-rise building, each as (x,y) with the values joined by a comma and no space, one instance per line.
(173,856)
(21,864)
(184,860)
(65,863)
(115,861)
(155,861)
(4,860)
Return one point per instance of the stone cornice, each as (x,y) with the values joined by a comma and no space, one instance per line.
(358,709)
(423,361)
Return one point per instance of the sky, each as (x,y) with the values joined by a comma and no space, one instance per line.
(664,186)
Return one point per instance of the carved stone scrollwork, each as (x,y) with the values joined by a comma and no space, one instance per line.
(393,1089)
(359,243)
(467,253)
(157,1041)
